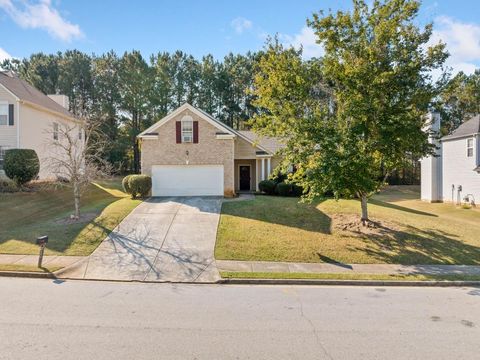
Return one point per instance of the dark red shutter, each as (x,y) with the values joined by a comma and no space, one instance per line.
(11,113)
(195,132)
(178,127)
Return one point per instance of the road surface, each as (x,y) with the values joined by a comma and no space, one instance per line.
(45,319)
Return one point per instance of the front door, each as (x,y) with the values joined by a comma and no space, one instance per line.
(244,177)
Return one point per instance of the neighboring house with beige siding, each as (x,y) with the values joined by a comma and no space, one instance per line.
(190,153)
(28,119)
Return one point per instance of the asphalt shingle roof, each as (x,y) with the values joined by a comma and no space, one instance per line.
(469,127)
(24,91)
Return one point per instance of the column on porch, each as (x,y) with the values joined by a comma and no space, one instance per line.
(263,169)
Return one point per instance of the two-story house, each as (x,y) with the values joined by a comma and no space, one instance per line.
(29,119)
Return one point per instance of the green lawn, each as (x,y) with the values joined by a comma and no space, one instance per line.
(24,216)
(412,231)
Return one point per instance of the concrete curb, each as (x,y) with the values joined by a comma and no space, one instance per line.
(436,283)
(28,274)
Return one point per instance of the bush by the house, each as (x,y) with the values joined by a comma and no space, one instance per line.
(125,185)
(7,186)
(277,176)
(297,190)
(139,185)
(21,165)
(267,186)
(283,189)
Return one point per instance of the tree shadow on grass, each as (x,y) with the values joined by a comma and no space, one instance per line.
(39,214)
(282,211)
(398,207)
(412,245)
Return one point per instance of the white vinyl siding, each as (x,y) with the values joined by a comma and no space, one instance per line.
(458,170)
(8,133)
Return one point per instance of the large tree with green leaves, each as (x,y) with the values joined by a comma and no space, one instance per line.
(359,111)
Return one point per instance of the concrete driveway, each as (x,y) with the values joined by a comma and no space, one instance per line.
(163,239)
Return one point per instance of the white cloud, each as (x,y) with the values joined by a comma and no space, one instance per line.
(4,55)
(462,41)
(306,38)
(241,24)
(41,15)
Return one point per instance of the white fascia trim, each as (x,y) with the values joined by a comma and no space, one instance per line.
(459,137)
(18,123)
(150,137)
(263,156)
(178,111)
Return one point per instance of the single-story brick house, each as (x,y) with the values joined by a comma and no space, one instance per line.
(190,153)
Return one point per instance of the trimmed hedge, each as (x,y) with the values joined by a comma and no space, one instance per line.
(21,165)
(139,185)
(125,185)
(283,189)
(267,186)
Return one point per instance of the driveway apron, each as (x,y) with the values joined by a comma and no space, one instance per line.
(163,239)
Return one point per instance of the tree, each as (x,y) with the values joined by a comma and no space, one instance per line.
(459,100)
(76,158)
(370,116)
(135,88)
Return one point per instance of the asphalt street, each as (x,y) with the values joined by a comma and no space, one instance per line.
(45,319)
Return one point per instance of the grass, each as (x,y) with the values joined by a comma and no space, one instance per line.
(341,276)
(283,229)
(27,215)
(28,268)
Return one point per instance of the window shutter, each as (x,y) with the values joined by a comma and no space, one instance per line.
(178,127)
(195,132)
(11,121)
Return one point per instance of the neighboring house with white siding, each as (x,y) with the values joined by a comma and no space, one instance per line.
(28,119)
(454,174)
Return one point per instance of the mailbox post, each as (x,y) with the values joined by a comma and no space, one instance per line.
(41,241)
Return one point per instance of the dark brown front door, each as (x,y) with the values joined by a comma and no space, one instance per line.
(244,177)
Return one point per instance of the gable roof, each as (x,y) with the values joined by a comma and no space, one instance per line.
(209,118)
(468,128)
(25,92)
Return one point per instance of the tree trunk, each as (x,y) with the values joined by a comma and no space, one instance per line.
(76,197)
(364,204)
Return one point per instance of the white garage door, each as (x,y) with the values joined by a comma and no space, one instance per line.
(187,180)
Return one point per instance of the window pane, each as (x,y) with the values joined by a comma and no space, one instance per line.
(3,114)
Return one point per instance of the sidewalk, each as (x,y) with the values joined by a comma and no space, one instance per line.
(327,268)
(32,260)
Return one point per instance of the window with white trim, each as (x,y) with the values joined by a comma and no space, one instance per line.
(3,114)
(187,131)
(470,147)
(55,131)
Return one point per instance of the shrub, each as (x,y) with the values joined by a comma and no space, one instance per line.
(7,186)
(21,165)
(125,185)
(277,176)
(283,189)
(297,190)
(267,186)
(139,185)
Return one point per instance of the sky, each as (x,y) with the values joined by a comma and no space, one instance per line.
(200,27)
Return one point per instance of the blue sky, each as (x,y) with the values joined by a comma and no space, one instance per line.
(199,27)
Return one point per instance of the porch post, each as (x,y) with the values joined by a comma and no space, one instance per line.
(268,167)
(256,175)
(263,168)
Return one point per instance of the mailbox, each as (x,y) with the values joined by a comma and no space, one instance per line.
(42,240)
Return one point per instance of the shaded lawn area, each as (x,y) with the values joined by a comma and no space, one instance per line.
(282,229)
(25,216)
